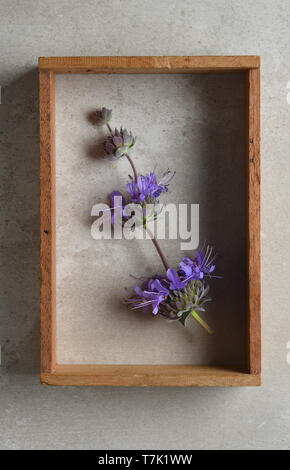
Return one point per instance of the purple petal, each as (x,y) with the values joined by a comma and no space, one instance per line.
(117,141)
(109,147)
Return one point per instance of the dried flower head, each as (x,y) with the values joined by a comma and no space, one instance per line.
(119,143)
(104,115)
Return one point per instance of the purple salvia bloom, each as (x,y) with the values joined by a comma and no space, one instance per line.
(180,293)
(165,180)
(153,295)
(202,265)
(190,269)
(186,266)
(175,282)
(117,197)
(205,260)
(133,191)
(146,187)
(143,187)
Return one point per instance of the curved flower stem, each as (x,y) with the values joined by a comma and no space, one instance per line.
(109,128)
(201,322)
(158,248)
(133,167)
(154,241)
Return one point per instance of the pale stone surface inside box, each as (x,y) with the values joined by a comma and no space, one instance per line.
(193,124)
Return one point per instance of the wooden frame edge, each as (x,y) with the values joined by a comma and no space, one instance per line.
(253,220)
(47,222)
(149,64)
(149,376)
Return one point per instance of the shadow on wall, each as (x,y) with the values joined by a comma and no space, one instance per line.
(19,140)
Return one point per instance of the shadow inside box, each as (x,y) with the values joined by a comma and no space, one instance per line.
(221,196)
(19,136)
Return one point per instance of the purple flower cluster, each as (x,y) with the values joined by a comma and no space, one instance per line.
(163,293)
(146,190)
(201,266)
(153,293)
(147,187)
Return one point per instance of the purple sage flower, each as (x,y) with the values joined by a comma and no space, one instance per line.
(114,197)
(147,187)
(153,295)
(133,190)
(175,282)
(181,293)
(202,265)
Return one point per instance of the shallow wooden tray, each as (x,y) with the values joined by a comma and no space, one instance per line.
(54,373)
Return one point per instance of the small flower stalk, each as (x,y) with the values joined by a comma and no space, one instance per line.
(176,294)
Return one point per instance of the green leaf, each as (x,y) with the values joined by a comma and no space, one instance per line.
(201,322)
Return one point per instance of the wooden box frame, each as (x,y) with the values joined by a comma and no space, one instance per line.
(148,375)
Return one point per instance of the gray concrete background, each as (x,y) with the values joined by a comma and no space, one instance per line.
(200,134)
(35,417)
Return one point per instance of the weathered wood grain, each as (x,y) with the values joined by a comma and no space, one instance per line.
(253,220)
(47,221)
(149,376)
(169,64)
